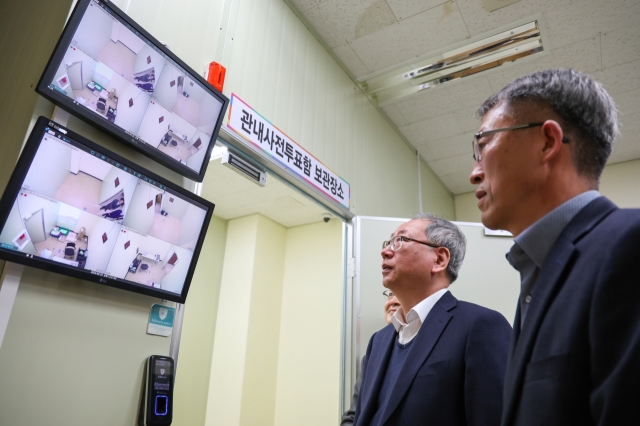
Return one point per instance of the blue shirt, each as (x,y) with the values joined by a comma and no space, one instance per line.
(531,247)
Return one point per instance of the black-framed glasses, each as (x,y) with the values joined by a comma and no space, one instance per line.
(396,243)
(388,294)
(477,148)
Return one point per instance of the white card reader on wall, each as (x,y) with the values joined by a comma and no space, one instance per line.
(156,403)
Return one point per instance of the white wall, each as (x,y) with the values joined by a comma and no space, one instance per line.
(129,118)
(50,167)
(194,90)
(13,227)
(190,227)
(196,160)
(121,258)
(619,182)
(138,216)
(174,280)
(120,84)
(151,130)
(99,252)
(166,94)
(209,112)
(88,221)
(127,184)
(176,208)
(94,32)
(157,61)
(93,166)
(32,203)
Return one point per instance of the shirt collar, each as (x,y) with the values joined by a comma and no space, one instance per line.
(536,241)
(418,312)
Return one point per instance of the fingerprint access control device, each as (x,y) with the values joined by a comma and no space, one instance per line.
(156,403)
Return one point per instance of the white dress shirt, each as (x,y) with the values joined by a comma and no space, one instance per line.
(414,319)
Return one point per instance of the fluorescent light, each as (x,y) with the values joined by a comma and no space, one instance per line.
(482,55)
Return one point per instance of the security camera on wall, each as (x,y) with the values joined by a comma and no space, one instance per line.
(326,217)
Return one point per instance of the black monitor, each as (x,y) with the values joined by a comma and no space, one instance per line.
(78,209)
(111,73)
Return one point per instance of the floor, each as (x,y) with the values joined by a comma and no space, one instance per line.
(154,274)
(180,151)
(91,100)
(57,246)
(81,191)
(120,59)
(165,228)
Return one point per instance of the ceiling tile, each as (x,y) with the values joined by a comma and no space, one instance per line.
(580,19)
(583,56)
(446,98)
(627,146)
(374,18)
(628,102)
(303,5)
(409,39)
(467,120)
(350,60)
(619,79)
(336,20)
(431,130)
(458,183)
(621,46)
(395,115)
(479,21)
(404,9)
(450,165)
(425,153)
(452,146)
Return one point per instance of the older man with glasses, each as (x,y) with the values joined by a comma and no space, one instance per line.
(441,361)
(575,350)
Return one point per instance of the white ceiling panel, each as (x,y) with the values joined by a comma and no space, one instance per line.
(431,130)
(404,9)
(621,46)
(303,5)
(466,119)
(479,21)
(627,102)
(583,56)
(337,21)
(619,79)
(395,115)
(446,98)
(449,165)
(409,38)
(425,153)
(581,19)
(452,146)
(350,60)
(458,183)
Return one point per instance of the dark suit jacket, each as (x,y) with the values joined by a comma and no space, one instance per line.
(576,360)
(453,374)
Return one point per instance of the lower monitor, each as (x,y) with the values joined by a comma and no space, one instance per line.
(76,208)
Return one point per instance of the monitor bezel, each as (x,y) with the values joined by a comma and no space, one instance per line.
(86,115)
(15,185)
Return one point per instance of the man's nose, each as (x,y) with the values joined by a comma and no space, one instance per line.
(477,174)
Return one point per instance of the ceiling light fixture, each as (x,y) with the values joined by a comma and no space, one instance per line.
(482,55)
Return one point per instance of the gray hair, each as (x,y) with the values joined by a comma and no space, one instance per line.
(586,110)
(443,233)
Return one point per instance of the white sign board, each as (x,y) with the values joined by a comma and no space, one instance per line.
(262,134)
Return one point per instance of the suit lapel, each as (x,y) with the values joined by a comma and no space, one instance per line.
(376,366)
(546,288)
(430,331)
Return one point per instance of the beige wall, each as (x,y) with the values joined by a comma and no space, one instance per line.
(198,331)
(308,390)
(276,352)
(619,183)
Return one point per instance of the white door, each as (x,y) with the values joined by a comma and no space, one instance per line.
(35,227)
(74,71)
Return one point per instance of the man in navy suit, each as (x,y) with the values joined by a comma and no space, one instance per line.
(574,357)
(442,361)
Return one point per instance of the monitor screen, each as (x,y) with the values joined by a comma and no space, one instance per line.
(110,72)
(76,208)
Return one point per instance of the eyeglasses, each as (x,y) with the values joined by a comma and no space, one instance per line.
(388,294)
(477,148)
(396,243)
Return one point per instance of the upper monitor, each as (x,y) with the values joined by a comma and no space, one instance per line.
(111,73)
(75,208)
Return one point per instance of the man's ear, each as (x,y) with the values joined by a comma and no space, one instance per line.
(553,134)
(442,260)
